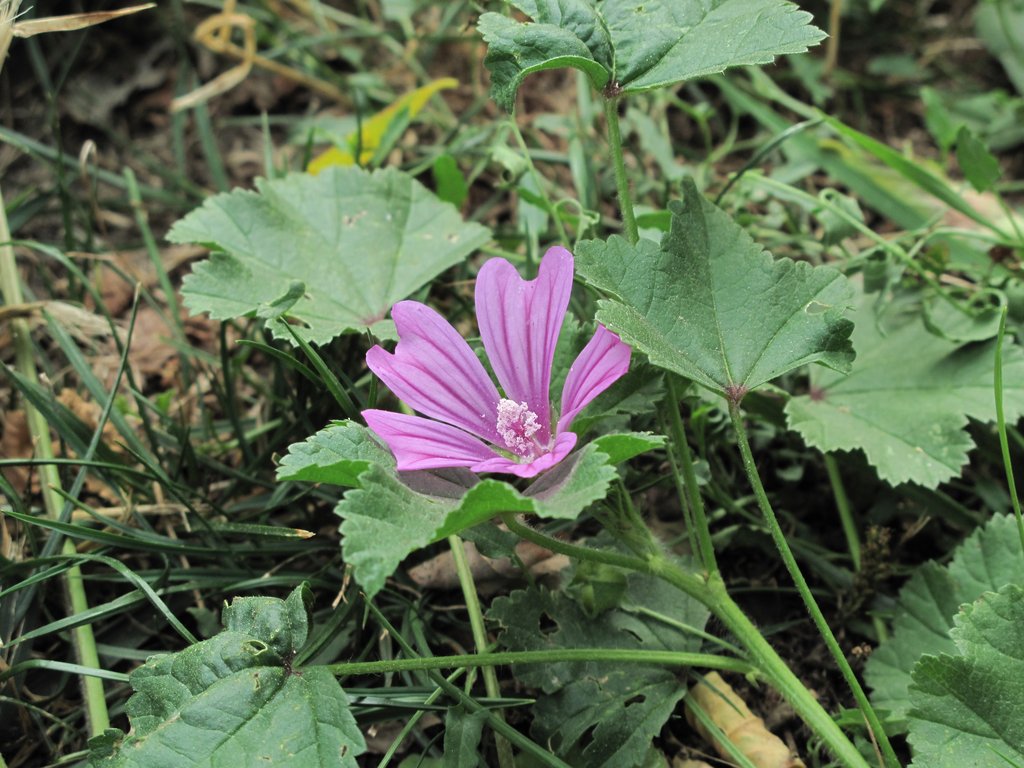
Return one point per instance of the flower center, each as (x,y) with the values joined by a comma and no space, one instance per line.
(517,425)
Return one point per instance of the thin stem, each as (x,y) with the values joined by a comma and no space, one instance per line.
(805,591)
(468,701)
(1004,444)
(488,661)
(843,508)
(693,497)
(539,182)
(83,639)
(611,114)
(476,622)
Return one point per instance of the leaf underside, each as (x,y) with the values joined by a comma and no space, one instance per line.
(639,46)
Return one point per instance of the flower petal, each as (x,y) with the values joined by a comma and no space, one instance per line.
(419,443)
(602,362)
(519,324)
(563,444)
(434,371)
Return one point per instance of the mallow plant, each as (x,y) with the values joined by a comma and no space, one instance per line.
(488,433)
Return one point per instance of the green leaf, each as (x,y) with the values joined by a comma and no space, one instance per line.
(985,562)
(713,306)
(392,515)
(462,733)
(966,706)
(358,242)
(235,700)
(337,454)
(622,447)
(907,401)
(638,45)
(619,708)
(980,168)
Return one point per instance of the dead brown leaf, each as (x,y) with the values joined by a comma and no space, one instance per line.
(743,729)
(439,572)
(16,443)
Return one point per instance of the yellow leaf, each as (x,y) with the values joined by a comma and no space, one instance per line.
(374,129)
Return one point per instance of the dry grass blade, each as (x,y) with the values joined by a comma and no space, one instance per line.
(73,21)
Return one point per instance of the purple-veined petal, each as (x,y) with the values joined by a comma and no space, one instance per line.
(419,443)
(434,371)
(519,323)
(564,443)
(601,363)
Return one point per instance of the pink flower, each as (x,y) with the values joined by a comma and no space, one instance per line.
(470,423)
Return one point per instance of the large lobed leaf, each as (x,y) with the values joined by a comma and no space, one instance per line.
(967,705)
(637,46)
(388,515)
(713,306)
(600,714)
(985,562)
(331,252)
(907,401)
(235,700)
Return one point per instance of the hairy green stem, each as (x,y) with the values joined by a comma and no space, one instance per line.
(611,114)
(509,658)
(1004,444)
(476,622)
(83,639)
(706,549)
(843,508)
(805,591)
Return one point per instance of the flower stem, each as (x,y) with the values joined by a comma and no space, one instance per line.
(805,592)
(611,114)
(83,640)
(476,622)
(693,500)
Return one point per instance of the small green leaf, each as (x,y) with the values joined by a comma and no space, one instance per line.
(966,706)
(639,45)
(359,242)
(337,454)
(621,447)
(392,515)
(713,306)
(980,168)
(907,401)
(985,562)
(235,700)
(279,307)
(462,733)
(451,184)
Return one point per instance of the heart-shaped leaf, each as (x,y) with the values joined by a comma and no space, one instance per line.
(352,241)
(712,305)
(636,46)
